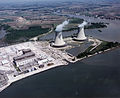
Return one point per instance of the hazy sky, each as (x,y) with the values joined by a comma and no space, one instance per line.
(3,1)
(13,1)
(24,0)
(17,0)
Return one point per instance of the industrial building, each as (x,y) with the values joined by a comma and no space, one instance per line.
(28,61)
(26,57)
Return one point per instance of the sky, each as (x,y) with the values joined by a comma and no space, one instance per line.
(3,1)
(19,1)
(6,1)
(27,1)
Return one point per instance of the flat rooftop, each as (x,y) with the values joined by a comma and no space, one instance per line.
(24,56)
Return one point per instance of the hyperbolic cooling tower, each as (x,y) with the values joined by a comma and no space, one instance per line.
(59,39)
(59,42)
(81,34)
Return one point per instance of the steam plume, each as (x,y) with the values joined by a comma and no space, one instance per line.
(83,24)
(59,28)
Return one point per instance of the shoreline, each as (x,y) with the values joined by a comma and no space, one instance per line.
(100,52)
(23,76)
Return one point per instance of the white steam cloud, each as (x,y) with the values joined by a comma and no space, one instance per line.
(59,28)
(83,24)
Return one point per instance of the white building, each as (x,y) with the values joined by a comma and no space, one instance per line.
(4,62)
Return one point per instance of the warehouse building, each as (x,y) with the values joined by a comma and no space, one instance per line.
(27,57)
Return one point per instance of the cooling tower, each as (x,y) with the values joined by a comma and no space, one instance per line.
(81,34)
(59,42)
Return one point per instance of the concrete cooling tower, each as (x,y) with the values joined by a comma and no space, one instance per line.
(81,34)
(59,42)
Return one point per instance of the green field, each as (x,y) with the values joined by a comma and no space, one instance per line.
(76,21)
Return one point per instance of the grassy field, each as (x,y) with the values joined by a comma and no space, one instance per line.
(76,21)
(96,25)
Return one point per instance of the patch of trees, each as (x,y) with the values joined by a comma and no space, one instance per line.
(17,35)
(96,25)
(103,46)
(76,21)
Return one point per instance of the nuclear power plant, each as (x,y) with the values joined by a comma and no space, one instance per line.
(81,34)
(59,42)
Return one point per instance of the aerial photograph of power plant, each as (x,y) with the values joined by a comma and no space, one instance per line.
(59,48)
